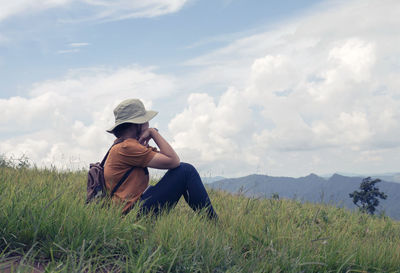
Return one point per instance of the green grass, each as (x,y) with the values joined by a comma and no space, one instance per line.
(44,224)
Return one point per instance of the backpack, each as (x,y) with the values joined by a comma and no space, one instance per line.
(96,185)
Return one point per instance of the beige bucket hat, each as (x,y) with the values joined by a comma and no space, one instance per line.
(131,111)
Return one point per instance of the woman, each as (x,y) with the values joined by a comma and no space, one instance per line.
(131,149)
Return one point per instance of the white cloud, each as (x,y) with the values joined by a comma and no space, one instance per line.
(216,128)
(73,48)
(78,44)
(12,8)
(98,9)
(123,9)
(66,51)
(355,57)
(213,135)
(63,121)
(323,87)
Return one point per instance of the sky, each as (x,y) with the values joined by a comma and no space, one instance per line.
(283,88)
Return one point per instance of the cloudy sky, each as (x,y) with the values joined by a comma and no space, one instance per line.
(270,87)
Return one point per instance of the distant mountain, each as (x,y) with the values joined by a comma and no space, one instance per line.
(388,177)
(313,188)
(211,179)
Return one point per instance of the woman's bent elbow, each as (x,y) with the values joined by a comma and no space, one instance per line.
(161,161)
(176,163)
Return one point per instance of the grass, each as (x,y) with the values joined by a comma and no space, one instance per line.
(45,226)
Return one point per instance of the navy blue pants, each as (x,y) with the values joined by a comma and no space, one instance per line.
(182,180)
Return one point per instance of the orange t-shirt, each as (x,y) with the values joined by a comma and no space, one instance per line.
(121,158)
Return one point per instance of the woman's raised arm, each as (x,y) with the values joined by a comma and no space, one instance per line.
(167,157)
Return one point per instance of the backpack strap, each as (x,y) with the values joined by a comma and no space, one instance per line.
(119,140)
(105,158)
(121,181)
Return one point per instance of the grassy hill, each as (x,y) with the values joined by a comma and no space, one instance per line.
(45,226)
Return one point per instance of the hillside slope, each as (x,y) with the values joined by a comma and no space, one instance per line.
(44,224)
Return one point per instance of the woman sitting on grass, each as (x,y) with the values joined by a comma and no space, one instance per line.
(131,149)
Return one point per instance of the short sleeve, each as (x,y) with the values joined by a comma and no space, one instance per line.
(135,154)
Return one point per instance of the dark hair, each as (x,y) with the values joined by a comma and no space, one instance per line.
(122,128)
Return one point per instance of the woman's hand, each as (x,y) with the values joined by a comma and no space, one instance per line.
(146,136)
(167,157)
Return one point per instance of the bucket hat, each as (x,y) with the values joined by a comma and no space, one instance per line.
(131,111)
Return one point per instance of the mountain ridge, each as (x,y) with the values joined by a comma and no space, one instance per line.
(311,188)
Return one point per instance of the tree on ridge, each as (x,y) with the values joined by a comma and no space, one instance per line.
(368,196)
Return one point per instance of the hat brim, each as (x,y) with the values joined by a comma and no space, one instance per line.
(138,120)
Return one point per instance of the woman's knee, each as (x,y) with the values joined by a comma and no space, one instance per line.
(187,166)
(184,169)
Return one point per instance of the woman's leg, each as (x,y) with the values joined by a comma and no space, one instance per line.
(183,180)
